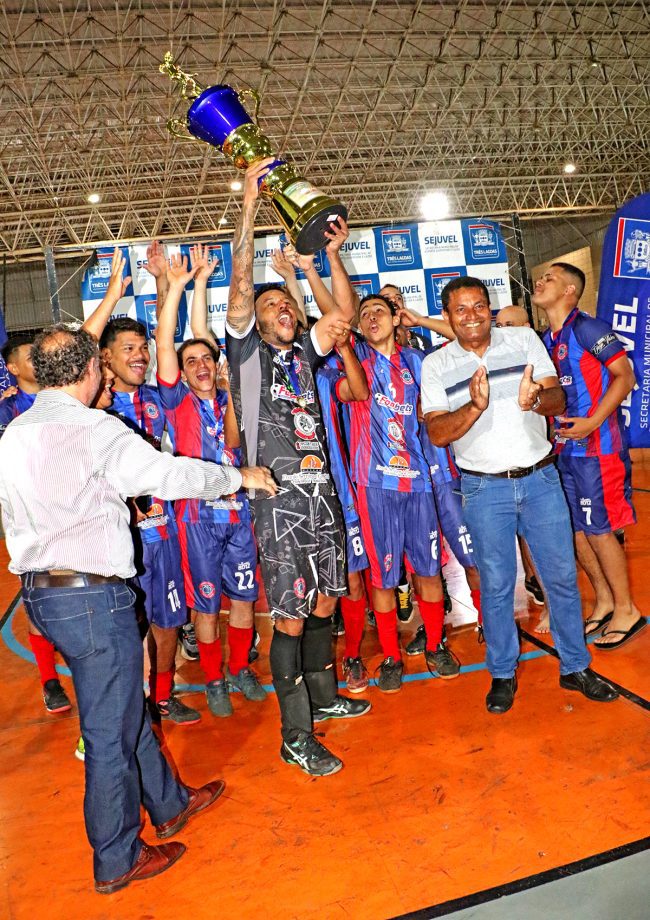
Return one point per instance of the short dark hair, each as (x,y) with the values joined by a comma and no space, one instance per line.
(263,288)
(576,272)
(458,284)
(121,324)
(186,344)
(61,355)
(388,284)
(15,342)
(385,300)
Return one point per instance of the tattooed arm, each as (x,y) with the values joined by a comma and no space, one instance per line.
(241,297)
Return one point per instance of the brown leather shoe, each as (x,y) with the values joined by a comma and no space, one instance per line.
(151,861)
(199,800)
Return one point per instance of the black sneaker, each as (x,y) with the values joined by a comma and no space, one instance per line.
(390,675)
(189,648)
(248,683)
(172,710)
(218,698)
(55,697)
(418,643)
(338,626)
(404,605)
(534,589)
(342,707)
(253,654)
(310,755)
(442,662)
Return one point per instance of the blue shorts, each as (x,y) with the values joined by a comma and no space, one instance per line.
(159,584)
(396,524)
(218,558)
(598,491)
(449,505)
(356,556)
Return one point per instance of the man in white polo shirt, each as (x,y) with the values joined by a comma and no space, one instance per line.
(487,393)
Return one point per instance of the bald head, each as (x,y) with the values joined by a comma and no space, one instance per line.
(511,316)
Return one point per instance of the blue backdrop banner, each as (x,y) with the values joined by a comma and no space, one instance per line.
(624,302)
(419,258)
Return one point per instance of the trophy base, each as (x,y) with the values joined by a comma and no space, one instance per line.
(311,235)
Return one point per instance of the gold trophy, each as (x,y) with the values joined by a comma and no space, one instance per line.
(218,117)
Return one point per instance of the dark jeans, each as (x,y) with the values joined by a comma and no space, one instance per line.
(95,630)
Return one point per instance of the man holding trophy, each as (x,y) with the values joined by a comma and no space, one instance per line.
(300,532)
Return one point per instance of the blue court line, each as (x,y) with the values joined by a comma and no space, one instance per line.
(13,645)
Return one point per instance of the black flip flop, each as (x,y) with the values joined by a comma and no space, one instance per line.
(598,623)
(626,634)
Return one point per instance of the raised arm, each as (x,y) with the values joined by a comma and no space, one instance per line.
(331,329)
(117,285)
(344,295)
(199,315)
(324,300)
(285,269)
(241,296)
(354,386)
(410,318)
(156,265)
(177,277)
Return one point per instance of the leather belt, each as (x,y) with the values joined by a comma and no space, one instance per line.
(68,579)
(517,473)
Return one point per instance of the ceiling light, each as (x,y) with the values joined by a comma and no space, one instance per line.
(569,168)
(223,220)
(235,185)
(595,63)
(94,198)
(434,206)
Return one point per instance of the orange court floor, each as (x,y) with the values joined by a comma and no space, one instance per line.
(438,799)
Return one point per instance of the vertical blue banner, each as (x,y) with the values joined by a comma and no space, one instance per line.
(624,303)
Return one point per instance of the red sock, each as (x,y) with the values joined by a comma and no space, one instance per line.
(239,641)
(368,583)
(160,685)
(433,614)
(211,659)
(44,653)
(476,600)
(354,614)
(387,630)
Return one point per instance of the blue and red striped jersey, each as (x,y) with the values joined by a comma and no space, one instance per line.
(13,406)
(385,448)
(196,429)
(581,351)
(327,376)
(142,411)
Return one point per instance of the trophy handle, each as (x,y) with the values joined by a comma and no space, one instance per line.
(177,127)
(255,96)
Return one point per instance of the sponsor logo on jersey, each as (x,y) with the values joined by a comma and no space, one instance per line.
(398,461)
(156,510)
(562,351)
(151,410)
(406,376)
(311,462)
(566,381)
(395,431)
(388,562)
(388,403)
(305,425)
(280,391)
(207,589)
(603,342)
(300,587)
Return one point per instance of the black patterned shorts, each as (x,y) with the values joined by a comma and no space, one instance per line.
(301,544)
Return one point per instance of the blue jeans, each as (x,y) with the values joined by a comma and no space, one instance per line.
(95,630)
(534,506)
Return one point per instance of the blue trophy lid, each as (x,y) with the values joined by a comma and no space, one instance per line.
(215,114)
